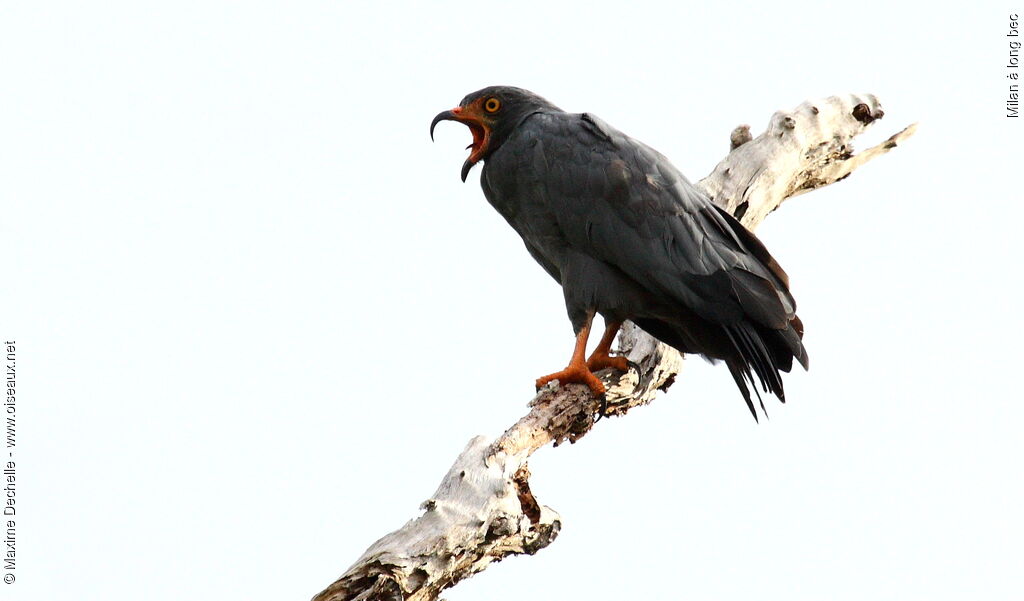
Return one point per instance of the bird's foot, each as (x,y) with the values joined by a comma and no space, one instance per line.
(575,374)
(599,362)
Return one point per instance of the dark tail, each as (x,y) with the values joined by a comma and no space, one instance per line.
(763,355)
(755,355)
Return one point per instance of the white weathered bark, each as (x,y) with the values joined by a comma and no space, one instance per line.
(484,510)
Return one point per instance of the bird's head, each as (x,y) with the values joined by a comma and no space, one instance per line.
(491,114)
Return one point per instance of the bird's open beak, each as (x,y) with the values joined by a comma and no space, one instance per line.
(480,129)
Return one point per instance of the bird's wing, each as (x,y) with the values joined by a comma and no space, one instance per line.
(548,266)
(622,202)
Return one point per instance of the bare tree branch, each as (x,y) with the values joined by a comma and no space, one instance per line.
(484,510)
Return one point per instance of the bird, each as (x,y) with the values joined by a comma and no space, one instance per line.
(628,237)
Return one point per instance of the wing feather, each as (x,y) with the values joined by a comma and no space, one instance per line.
(635,211)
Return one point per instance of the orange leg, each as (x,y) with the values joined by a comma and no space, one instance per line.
(577,371)
(600,359)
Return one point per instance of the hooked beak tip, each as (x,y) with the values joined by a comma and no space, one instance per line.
(442,116)
(453,115)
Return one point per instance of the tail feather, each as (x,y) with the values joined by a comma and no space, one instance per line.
(755,355)
(764,353)
(742,375)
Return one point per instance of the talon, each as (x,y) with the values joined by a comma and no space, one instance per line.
(602,410)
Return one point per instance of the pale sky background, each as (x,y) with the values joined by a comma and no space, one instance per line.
(258,315)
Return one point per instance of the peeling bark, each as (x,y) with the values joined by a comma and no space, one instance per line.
(484,510)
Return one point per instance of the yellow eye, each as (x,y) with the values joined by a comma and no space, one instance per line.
(491,105)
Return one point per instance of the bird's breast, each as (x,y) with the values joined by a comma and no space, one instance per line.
(513,189)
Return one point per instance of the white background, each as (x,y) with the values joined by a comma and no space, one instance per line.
(258,315)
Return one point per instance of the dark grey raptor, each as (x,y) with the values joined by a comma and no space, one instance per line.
(627,236)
